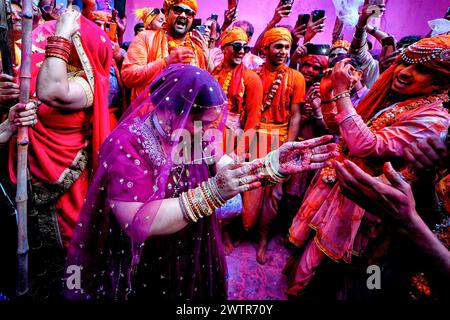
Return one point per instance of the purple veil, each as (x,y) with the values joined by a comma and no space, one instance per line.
(132,169)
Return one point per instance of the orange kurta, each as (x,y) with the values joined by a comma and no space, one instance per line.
(263,202)
(247,102)
(145,59)
(292,91)
(244,91)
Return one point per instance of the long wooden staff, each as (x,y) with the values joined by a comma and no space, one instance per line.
(22,146)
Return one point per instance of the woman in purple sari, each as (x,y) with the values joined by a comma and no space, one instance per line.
(147,230)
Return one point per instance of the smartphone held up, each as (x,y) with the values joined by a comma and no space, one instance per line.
(317,15)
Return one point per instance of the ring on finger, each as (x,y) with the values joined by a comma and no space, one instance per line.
(241,182)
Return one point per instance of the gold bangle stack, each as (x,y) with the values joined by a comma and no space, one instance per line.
(271,175)
(201,202)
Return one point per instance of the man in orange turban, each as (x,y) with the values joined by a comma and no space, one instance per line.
(153,18)
(153,50)
(339,48)
(190,3)
(276,34)
(244,90)
(284,93)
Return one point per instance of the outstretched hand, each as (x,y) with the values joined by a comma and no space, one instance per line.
(428,155)
(296,157)
(368,11)
(229,17)
(387,197)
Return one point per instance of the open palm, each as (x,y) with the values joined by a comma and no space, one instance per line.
(296,157)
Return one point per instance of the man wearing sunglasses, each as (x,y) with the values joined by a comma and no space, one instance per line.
(284,93)
(244,89)
(152,18)
(153,50)
(242,86)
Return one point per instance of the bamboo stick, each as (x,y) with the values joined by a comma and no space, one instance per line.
(22,146)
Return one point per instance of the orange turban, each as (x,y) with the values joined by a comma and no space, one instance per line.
(322,60)
(341,44)
(100,15)
(433,53)
(146,15)
(191,3)
(276,34)
(233,34)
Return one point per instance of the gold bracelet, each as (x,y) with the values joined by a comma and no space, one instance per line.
(203,206)
(212,183)
(273,175)
(195,205)
(183,209)
(184,202)
(213,201)
(205,199)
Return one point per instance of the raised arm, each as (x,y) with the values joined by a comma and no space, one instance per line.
(281,11)
(359,45)
(389,141)
(54,87)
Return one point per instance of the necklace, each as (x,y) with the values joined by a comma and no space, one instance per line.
(273,90)
(226,83)
(187,43)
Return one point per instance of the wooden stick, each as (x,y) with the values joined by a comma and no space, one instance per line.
(22,146)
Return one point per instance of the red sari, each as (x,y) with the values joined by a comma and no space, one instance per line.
(64,144)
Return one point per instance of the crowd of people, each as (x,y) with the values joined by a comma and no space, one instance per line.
(149,161)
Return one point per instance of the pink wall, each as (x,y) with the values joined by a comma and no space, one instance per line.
(403,17)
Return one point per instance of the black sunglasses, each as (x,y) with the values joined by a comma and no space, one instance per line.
(179,10)
(157,11)
(237,47)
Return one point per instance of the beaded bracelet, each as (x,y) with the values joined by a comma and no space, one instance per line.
(345,94)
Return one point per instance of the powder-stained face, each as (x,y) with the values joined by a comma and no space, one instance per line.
(16,17)
(310,70)
(207,25)
(412,80)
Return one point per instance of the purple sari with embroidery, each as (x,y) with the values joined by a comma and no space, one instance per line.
(135,170)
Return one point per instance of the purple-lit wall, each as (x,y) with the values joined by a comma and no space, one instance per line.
(403,17)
